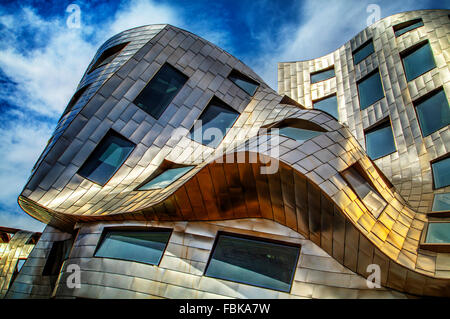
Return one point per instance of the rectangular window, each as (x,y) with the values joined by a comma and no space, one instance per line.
(146,246)
(322,75)
(214,123)
(165,178)
(161,90)
(254,261)
(298,134)
(417,60)
(363,51)
(441,172)
(370,89)
(441,202)
(438,233)
(365,191)
(380,140)
(58,254)
(107,158)
(404,27)
(329,105)
(244,82)
(433,111)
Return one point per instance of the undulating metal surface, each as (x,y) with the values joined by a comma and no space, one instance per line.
(285,187)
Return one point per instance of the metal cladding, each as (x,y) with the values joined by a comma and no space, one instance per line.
(254,182)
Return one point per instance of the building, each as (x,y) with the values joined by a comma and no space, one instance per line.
(279,198)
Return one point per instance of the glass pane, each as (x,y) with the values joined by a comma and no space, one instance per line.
(254,262)
(243,82)
(160,91)
(363,52)
(410,27)
(328,105)
(370,90)
(438,233)
(322,75)
(441,202)
(380,142)
(20,264)
(141,246)
(298,134)
(215,122)
(366,193)
(418,62)
(106,159)
(166,178)
(433,113)
(441,173)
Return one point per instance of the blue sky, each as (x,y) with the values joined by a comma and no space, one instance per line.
(42,60)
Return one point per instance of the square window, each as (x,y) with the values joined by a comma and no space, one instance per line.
(418,60)
(380,140)
(433,111)
(107,158)
(166,178)
(254,261)
(438,233)
(214,123)
(441,172)
(441,202)
(161,90)
(244,82)
(146,246)
(322,75)
(363,51)
(404,27)
(328,105)
(365,191)
(370,89)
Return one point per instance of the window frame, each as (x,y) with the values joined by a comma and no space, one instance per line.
(237,73)
(440,158)
(219,102)
(114,132)
(320,71)
(377,126)
(107,229)
(436,247)
(151,79)
(255,237)
(368,75)
(422,99)
(408,51)
(362,46)
(403,25)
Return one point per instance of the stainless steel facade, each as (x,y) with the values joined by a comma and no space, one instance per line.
(304,201)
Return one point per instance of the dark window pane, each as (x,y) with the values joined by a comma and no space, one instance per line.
(166,178)
(370,90)
(142,246)
(407,26)
(363,52)
(107,158)
(298,134)
(213,124)
(418,62)
(441,172)
(366,193)
(380,141)
(433,113)
(441,202)
(161,90)
(328,105)
(438,233)
(322,75)
(244,82)
(254,262)
(107,56)
(58,254)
